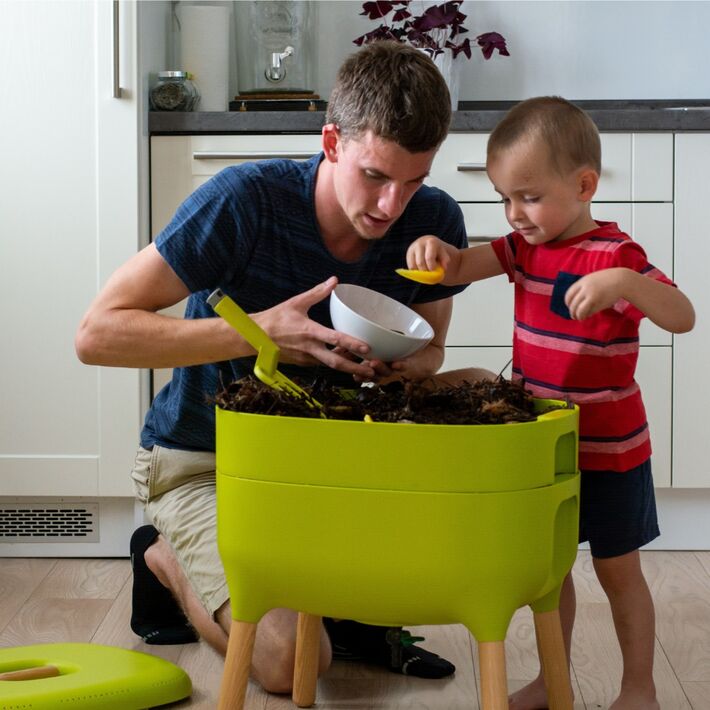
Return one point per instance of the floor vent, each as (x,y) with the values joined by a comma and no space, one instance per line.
(64,521)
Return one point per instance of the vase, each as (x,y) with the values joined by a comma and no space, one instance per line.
(450,68)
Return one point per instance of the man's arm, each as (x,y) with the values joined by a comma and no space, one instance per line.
(123,329)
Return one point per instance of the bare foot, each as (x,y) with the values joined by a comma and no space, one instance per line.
(530,697)
(634,701)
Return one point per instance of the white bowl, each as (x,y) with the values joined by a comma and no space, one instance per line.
(392,330)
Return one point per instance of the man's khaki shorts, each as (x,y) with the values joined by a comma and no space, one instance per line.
(177,489)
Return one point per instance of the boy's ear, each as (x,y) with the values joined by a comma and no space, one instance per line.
(587,181)
(331,138)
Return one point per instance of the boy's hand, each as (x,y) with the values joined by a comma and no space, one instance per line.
(428,252)
(594,292)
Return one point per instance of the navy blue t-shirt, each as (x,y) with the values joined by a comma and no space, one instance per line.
(251,230)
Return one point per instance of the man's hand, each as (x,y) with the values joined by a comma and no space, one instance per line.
(304,342)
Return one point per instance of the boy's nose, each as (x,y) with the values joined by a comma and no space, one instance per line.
(514,211)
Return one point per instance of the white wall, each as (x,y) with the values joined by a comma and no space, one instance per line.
(591,49)
(580,49)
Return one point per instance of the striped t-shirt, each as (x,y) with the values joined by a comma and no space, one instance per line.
(590,362)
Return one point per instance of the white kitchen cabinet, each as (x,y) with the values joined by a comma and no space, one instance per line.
(691,351)
(635,167)
(71,213)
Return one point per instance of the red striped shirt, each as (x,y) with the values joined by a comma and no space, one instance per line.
(590,362)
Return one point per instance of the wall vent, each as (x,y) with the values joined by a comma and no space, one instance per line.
(49,521)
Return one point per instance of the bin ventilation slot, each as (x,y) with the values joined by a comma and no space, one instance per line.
(49,522)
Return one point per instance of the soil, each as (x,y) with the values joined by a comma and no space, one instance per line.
(483,402)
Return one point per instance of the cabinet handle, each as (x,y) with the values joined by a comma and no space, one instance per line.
(471,167)
(250,155)
(478,239)
(116,56)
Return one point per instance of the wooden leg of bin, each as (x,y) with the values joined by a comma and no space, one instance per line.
(553,659)
(237,665)
(305,671)
(494,685)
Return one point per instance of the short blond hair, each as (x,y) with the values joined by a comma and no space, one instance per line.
(568,133)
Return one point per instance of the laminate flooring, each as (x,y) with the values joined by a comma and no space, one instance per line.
(88,600)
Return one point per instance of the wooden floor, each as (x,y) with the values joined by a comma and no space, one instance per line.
(54,600)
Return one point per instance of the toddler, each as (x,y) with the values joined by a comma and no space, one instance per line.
(581,289)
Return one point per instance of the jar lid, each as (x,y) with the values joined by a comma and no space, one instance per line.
(173,75)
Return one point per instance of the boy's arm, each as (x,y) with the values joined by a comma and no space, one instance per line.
(667,306)
(462,266)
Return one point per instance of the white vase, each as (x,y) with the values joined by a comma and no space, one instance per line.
(450,69)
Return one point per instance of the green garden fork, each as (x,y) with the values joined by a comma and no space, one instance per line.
(267,357)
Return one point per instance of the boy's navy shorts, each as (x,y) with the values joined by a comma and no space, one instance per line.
(617,511)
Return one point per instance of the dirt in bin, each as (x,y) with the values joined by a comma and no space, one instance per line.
(482,402)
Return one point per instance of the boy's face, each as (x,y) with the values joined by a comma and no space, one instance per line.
(540,203)
(374,181)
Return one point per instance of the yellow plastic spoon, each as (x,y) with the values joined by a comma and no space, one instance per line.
(423,277)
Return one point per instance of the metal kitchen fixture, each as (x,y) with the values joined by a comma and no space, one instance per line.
(275,46)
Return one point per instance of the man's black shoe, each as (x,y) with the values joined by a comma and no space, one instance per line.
(391,647)
(156,616)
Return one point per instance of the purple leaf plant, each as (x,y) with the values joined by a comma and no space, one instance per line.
(437,29)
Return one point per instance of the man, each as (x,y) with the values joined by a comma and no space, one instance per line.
(277,236)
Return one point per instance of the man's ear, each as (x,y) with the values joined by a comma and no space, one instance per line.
(587,180)
(331,138)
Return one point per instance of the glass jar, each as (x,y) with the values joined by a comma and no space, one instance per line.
(276,45)
(174,91)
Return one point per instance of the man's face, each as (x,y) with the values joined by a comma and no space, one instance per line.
(374,181)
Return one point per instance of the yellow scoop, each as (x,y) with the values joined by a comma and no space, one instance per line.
(267,351)
(423,277)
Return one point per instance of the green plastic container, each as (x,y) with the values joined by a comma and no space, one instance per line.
(92,677)
(397,524)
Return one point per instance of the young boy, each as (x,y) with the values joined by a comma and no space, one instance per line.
(581,288)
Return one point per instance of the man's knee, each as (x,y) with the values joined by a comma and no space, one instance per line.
(455,378)
(275,655)
(276,674)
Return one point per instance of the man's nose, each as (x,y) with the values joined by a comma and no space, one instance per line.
(391,200)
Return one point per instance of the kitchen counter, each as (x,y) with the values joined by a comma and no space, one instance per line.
(612,115)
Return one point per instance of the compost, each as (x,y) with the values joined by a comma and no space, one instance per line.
(498,401)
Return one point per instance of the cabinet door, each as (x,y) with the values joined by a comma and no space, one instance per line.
(483,312)
(691,351)
(651,225)
(635,167)
(69,217)
(654,375)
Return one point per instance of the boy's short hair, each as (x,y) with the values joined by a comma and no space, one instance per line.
(570,135)
(396,92)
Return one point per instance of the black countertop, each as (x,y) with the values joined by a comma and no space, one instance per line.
(612,115)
